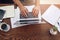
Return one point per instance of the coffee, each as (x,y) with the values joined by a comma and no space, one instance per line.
(4,26)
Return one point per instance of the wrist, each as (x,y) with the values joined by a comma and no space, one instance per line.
(21,6)
(37,6)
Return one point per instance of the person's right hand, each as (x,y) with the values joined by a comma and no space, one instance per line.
(24,11)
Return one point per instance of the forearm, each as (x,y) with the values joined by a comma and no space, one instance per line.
(37,2)
(18,3)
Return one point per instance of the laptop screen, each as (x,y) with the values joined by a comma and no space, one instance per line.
(2,12)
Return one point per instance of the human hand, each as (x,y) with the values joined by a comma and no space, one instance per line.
(24,11)
(35,10)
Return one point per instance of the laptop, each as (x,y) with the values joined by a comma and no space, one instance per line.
(30,19)
(20,20)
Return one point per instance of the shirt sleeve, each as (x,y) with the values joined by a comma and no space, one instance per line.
(6,1)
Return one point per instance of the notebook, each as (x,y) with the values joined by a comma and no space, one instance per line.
(52,16)
(9,11)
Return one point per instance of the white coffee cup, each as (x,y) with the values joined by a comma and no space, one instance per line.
(52,32)
(4,27)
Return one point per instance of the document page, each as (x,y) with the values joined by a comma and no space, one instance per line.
(52,16)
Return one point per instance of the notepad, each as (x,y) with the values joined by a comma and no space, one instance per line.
(52,16)
(9,11)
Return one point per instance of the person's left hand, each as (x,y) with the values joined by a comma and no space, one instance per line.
(35,11)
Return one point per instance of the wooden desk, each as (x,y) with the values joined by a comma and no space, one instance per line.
(31,32)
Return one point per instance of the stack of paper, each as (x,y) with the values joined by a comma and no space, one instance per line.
(19,20)
(52,16)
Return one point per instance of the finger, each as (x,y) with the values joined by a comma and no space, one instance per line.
(26,12)
(33,12)
(23,13)
(36,13)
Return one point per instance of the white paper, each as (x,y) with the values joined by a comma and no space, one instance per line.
(17,17)
(9,11)
(52,16)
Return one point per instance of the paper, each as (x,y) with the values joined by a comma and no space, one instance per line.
(9,11)
(52,16)
(16,21)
